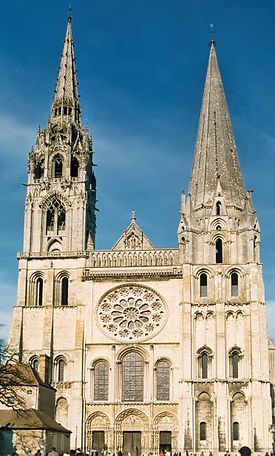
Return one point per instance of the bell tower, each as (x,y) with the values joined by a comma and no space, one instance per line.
(61,191)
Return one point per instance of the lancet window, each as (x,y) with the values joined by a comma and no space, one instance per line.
(39,291)
(57,166)
(60,370)
(234,284)
(163,380)
(64,291)
(203,285)
(74,167)
(204,362)
(219,251)
(101,381)
(55,217)
(235,359)
(236,430)
(132,377)
(218,208)
(39,169)
(202,430)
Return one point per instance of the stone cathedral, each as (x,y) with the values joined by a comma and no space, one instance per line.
(148,348)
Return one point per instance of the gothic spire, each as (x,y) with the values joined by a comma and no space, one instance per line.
(66,100)
(216,161)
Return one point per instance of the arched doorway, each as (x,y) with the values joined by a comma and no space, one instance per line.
(132,433)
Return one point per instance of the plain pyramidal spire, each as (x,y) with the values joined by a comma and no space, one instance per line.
(216,160)
(66,99)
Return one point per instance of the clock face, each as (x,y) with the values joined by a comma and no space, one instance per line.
(131,312)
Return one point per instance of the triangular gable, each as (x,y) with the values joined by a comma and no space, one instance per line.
(133,238)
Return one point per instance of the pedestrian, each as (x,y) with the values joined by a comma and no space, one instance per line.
(38,453)
(79,452)
(29,453)
(53,452)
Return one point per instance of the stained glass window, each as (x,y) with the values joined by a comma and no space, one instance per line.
(101,381)
(132,377)
(163,381)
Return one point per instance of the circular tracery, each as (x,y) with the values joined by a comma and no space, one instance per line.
(131,312)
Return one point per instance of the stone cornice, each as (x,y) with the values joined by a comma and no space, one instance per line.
(51,255)
(132,274)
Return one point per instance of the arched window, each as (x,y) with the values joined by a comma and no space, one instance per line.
(64,291)
(56,217)
(39,292)
(235,359)
(218,208)
(60,370)
(74,167)
(204,365)
(202,430)
(101,381)
(219,254)
(234,284)
(163,381)
(58,166)
(132,377)
(34,363)
(203,285)
(39,169)
(236,430)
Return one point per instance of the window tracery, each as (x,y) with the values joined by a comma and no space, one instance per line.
(58,165)
(101,381)
(132,377)
(131,312)
(163,380)
(55,217)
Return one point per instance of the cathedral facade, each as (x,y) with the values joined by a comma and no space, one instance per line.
(148,348)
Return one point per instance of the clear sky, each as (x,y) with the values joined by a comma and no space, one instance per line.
(141,70)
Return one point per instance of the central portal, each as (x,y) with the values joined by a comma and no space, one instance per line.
(132,443)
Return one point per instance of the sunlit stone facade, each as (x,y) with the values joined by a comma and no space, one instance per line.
(148,348)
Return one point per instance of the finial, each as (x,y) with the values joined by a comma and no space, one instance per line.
(212,35)
(133,217)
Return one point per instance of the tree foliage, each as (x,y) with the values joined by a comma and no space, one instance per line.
(12,377)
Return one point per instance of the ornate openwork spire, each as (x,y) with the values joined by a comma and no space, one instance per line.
(216,160)
(66,100)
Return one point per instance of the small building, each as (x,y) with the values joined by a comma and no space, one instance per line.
(34,427)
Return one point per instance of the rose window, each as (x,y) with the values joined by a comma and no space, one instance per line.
(131,312)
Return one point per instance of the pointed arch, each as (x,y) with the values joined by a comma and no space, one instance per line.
(55,210)
(57,165)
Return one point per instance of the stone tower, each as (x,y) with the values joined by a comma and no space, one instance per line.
(60,201)
(148,348)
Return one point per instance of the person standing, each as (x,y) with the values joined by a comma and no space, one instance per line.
(53,452)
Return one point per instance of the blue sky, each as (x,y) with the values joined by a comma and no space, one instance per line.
(141,70)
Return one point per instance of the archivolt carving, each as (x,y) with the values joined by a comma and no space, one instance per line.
(131,312)
(167,419)
(132,417)
(98,420)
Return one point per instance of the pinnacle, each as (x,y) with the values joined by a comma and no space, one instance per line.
(216,157)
